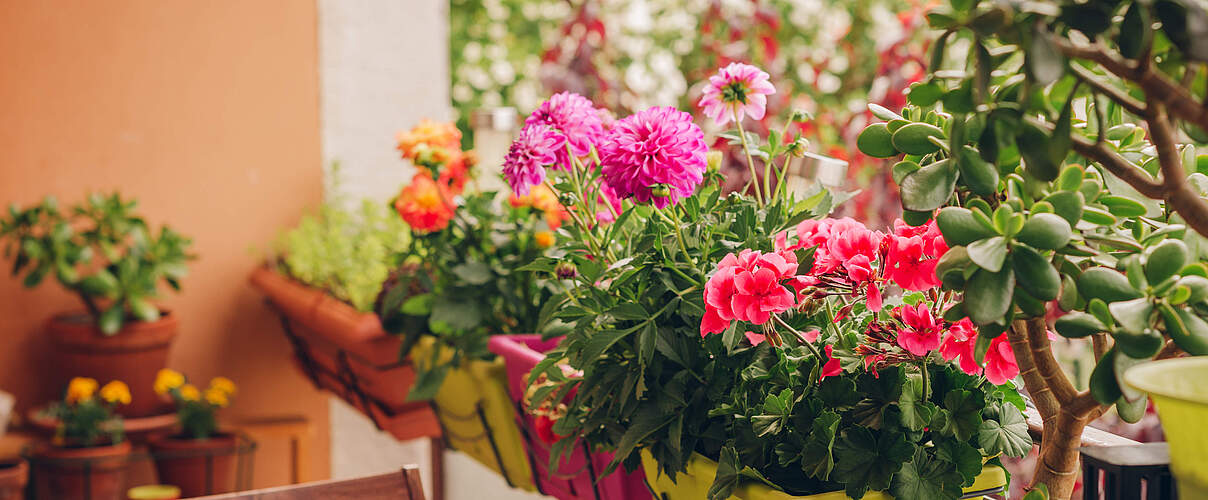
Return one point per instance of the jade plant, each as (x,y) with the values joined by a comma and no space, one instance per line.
(101,251)
(1048,151)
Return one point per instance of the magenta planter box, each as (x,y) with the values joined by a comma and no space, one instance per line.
(575,478)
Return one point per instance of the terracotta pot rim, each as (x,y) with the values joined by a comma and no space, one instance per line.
(47,450)
(84,336)
(13,466)
(218,439)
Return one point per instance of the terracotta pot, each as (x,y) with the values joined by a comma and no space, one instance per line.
(95,473)
(13,476)
(197,466)
(133,355)
(348,353)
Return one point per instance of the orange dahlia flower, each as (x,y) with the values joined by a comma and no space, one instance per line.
(424,204)
(431,134)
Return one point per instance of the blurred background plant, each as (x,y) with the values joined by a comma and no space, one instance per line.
(834,56)
(345,252)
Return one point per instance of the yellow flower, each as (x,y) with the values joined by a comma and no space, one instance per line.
(545,239)
(217,397)
(189,392)
(168,379)
(116,392)
(223,384)
(80,389)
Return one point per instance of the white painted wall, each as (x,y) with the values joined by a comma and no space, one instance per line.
(383,66)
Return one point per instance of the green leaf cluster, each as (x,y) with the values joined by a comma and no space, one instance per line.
(101,251)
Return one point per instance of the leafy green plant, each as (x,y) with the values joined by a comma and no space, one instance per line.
(100,251)
(1049,149)
(348,254)
(460,284)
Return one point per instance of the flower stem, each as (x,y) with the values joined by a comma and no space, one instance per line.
(746,149)
(675,222)
(800,336)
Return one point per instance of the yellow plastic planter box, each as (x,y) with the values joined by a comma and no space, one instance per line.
(694,484)
(477,415)
(1181,396)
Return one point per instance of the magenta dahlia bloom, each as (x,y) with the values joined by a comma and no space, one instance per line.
(660,145)
(575,118)
(738,86)
(535,147)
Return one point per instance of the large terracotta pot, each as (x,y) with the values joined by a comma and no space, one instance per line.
(13,476)
(197,466)
(348,353)
(95,473)
(133,355)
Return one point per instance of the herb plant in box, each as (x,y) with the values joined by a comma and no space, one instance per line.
(200,460)
(1052,162)
(459,285)
(109,257)
(735,346)
(88,454)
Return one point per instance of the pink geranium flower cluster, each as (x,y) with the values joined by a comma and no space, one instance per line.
(852,262)
(748,287)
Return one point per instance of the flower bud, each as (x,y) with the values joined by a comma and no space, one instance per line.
(734,198)
(713,161)
(800,116)
(798,147)
(660,190)
(566,270)
(567,199)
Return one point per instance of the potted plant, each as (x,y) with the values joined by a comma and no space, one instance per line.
(109,257)
(14,474)
(460,284)
(323,280)
(1054,168)
(88,454)
(200,459)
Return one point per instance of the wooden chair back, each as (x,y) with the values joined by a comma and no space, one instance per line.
(404,485)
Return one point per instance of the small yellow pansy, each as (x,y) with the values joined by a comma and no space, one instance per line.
(217,397)
(223,384)
(189,392)
(116,392)
(80,389)
(167,379)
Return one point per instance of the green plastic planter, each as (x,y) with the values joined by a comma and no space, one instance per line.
(694,484)
(1178,389)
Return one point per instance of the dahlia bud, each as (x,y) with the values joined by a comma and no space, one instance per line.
(800,116)
(567,199)
(660,190)
(798,147)
(565,270)
(713,161)
(734,198)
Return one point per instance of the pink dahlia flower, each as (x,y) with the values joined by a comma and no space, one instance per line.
(739,89)
(747,287)
(575,118)
(607,197)
(535,147)
(922,331)
(660,145)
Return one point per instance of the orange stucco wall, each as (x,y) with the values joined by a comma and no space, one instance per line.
(207,112)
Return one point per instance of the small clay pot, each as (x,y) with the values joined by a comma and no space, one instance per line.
(134,355)
(95,472)
(13,476)
(197,466)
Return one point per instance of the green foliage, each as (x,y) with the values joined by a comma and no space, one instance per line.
(99,250)
(1056,121)
(464,283)
(348,254)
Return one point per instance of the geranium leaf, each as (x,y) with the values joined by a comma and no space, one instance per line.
(965,457)
(817,459)
(927,477)
(1007,435)
(867,461)
(964,412)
